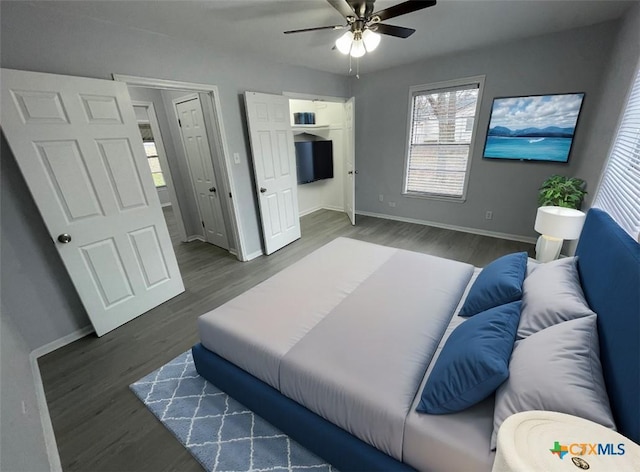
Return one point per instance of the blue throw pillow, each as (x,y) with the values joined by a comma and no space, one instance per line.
(474,361)
(498,283)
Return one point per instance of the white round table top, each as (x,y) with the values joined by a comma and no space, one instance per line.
(550,441)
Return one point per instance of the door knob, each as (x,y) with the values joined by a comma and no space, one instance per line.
(213,189)
(262,189)
(64,238)
(355,171)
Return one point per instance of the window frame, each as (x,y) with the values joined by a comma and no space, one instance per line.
(432,87)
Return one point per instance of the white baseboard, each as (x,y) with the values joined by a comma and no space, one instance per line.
(309,211)
(47,428)
(324,207)
(63,341)
(253,255)
(164,205)
(197,237)
(464,229)
(43,408)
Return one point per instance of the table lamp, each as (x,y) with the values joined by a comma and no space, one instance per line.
(556,224)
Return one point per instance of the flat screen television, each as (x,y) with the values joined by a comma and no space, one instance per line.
(533,128)
(314,160)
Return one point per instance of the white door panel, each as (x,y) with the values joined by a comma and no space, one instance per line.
(198,152)
(77,144)
(350,161)
(274,162)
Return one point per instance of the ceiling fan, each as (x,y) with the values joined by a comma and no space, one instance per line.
(365,25)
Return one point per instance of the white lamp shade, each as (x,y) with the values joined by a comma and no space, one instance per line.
(559,222)
(343,43)
(371,39)
(357,48)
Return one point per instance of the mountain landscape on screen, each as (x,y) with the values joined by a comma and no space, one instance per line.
(537,128)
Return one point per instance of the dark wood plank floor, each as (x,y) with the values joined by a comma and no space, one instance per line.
(101,426)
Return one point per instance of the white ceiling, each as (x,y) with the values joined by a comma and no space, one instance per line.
(256,26)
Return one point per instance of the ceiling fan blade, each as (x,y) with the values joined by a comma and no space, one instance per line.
(343,7)
(334,27)
(397,31)
(403,9)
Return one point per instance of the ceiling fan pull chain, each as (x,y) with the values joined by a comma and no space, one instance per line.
(358,68)
(350,68)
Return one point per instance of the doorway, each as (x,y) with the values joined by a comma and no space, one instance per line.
(187,198)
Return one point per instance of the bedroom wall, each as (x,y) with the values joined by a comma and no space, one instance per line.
(570,61)
(40,39)
(618,78)
(22,443)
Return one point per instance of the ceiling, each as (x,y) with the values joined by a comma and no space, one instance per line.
(255,27)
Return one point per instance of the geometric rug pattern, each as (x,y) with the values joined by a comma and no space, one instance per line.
(219,432)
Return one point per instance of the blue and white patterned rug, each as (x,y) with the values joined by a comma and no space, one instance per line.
(219,432)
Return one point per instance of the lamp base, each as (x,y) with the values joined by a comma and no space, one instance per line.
(548,248)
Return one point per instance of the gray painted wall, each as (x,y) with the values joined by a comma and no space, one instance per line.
(22,445)
(81,46)
(572,61)
(618,78)
(40,39)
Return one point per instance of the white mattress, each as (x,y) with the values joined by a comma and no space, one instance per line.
(349,332)
(454,442)
(256,329)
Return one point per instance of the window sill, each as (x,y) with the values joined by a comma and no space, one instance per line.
(429,196)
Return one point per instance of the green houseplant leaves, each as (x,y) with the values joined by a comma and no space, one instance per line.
(562,191)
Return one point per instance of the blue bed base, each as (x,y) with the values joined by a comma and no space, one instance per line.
(609,268)
(333,444)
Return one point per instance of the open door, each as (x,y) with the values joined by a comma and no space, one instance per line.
(77,144)
(274,163)
(350,161)
(199,158)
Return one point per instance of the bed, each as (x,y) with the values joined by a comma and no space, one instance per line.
(341,362)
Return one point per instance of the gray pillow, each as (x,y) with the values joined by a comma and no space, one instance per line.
(551,294)
(556,369)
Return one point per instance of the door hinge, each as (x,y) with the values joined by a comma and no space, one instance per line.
(230,195)
(179,123)
(203,224)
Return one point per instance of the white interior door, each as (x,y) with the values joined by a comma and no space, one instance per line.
(198,152)
(77,144)
(350,161)
(274,163)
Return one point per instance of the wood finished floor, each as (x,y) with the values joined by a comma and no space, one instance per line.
(101,426)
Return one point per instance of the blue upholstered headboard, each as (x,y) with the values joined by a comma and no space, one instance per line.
(609,267)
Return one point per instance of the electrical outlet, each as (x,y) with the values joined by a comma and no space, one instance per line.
(236,157)
(381,198)
(488,215)
(392,204)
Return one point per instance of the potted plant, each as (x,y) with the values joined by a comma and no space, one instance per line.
(562,191)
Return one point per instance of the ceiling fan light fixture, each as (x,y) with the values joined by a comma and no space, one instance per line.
(357,48)
(343,43)
(371,40)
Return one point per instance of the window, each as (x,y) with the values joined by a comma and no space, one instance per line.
(442,123)
(152,155)
(619,190)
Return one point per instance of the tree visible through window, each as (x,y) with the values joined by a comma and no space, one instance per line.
(152,155)
(441,134)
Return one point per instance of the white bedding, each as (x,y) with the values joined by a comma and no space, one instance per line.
(349,332)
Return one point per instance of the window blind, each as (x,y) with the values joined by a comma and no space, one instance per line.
(440,137)
(619,191)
